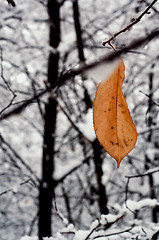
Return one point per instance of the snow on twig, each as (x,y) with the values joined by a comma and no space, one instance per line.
(144,202)
(95,230)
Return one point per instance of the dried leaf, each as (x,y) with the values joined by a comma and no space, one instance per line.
(113,124)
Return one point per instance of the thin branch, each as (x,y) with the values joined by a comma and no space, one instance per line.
(57,211)
(20,108)
(106,226)
(147,173)
(126,196)
(20,159)
(134,21)
(74,72)
(115,233)
(2,75)
(33,83)
(148,96)
(143,174)
(70,120)
(32,224)
(9,104)
(83,67)
(61,179)
(154,128)
(95,228)
(12,189)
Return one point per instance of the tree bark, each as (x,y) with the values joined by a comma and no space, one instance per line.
(78,30)
(98,161)
(96,146)
(47,184)
(149,139)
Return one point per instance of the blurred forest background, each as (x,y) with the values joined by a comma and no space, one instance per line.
(55,178)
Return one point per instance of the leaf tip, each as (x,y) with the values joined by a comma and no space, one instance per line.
(118,162)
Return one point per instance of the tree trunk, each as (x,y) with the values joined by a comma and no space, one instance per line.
(78,30)
(149,139)
(47,185)
(98,161)
(96,146)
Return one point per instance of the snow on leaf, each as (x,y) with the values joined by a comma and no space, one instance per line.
(113,124)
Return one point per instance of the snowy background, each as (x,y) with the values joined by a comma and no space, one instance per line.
(132,191)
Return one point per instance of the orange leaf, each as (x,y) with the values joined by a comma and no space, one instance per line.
(113,124)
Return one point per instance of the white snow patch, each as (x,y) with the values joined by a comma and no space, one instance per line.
(102,71)
(67,44)
(59,237)
(147,202)
(15,188)
(81,235)
(86,127)
(152,170)
(65,221)
(64,169)
(94,224)
(109,218)
(69,228)
(107,172)
(29,238)
(151,153)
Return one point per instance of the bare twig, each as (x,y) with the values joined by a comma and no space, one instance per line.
(126,196)
(74,72)
(12,189)
(9,104)
(20,159)
(143,174)
(137,43)
(115,233)
(61,179)
(95,228)
(147,173)
(70,120)
(2,75)
(106,225)
(20,108)
(148,96)
(57,211)
(154,128)
(133,22)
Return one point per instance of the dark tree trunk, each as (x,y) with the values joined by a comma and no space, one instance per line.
(149,139)
(96,146)
(47,185)
(78,30)
(98,161)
